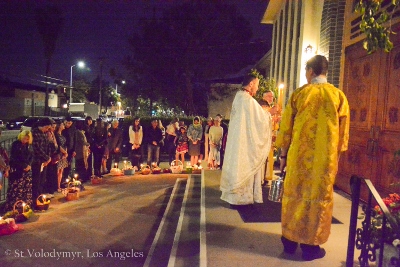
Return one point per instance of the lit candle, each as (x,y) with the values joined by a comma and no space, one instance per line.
(141,166)
(280,96)
(23,207)
(76,176)
(67,180)
(115,165)
(124,164)
(44,198)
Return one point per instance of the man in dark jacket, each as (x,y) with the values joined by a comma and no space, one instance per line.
(114,144)
(70,136)
(153,137)
(41,157)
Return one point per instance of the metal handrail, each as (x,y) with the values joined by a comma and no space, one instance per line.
(6,144)
(363,241)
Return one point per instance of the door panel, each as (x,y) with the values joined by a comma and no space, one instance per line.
(372,86)
(361,77)
(389,122)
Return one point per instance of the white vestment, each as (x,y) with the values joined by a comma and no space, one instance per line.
(247,148)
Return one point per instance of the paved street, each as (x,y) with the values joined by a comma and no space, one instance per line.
(111,224)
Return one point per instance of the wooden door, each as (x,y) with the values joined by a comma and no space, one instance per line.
(372,86)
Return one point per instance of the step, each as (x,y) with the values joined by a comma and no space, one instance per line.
(162,244)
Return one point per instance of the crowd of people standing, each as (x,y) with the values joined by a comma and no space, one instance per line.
(42,158)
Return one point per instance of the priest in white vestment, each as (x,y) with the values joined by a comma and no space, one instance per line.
(247,147)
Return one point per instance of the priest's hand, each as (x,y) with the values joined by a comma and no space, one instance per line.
(273,110)
(282,163)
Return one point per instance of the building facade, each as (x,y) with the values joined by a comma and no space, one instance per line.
(302,29)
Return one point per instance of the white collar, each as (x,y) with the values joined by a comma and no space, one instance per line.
(319,79)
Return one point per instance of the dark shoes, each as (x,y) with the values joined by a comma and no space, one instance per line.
(310,252)
(307,256)
(289,246)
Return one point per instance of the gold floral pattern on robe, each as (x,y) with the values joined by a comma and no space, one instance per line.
(315,128)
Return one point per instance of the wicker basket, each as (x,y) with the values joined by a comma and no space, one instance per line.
(145,169)
(42,203)
(156,171)
(71,193)
(21,214)
(129,171)
(96,180)
(166,170)
(176,166)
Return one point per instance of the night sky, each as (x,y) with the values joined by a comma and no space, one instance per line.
(92,29)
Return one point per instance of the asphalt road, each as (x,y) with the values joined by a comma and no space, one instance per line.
(112,224)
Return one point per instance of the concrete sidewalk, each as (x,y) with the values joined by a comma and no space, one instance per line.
(231,242)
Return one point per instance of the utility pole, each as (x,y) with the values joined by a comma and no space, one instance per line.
(101,83)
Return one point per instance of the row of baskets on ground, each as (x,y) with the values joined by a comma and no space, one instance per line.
(176,168)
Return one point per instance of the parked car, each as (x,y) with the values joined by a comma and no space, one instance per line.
(110,118)
(15,124)
(30,121)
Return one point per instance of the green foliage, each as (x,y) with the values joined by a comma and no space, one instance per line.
(373,24)
(266,84)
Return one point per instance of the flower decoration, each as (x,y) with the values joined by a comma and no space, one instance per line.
(393,204)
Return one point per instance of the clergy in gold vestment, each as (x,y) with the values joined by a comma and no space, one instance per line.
(248,145)
(313,131)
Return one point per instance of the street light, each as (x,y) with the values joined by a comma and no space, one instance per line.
(116,87)
(80,64)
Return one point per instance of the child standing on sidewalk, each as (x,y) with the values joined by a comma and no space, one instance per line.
(181,141)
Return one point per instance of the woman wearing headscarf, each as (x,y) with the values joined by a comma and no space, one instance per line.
(195,133)
(20,179)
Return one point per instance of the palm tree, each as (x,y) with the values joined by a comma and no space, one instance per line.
(50,22)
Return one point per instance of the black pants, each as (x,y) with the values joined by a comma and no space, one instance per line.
(81,170)
(51,179)
(136,156)
(113,156)
(98,154)
(38,180)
